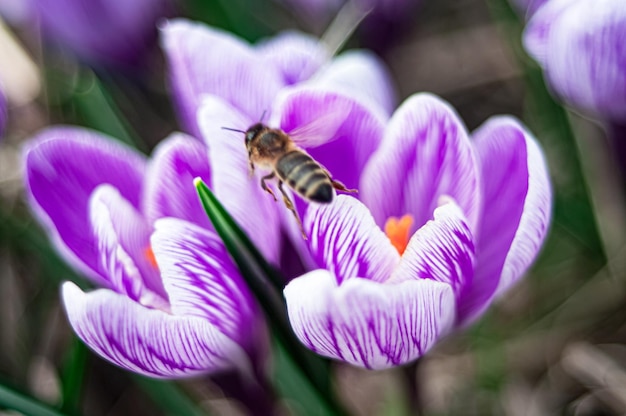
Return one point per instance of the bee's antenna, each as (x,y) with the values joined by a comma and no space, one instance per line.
(263,116)
(237,130)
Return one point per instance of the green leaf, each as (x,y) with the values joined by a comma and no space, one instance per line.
(99,111)
(266,285)
(249,20)
(10,399)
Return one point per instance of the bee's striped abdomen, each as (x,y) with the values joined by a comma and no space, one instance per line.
(305,176)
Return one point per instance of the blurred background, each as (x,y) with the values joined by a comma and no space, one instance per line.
(554,345)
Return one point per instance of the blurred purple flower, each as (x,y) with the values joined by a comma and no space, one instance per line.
(580,45)
(380,298)
(172,303)
(110,32)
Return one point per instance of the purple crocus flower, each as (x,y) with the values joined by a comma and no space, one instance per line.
(172,303)
(462,219)
(580,45)
(113,32)
(478,245)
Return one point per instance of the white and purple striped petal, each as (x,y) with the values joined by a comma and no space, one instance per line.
(366,323)
(442,250)
(201,279)
(517,210)
(123,238)
(63,165)
(426,154)
(169,190)
(345,240)
(241,194)
(203,60)
(149,341)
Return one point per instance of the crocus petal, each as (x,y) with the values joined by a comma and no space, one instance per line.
(169,190)
(201,279)
(63,166)
(241,194)
(148,341)
(296,55)
(203,60)
(123,238)
(345,240)
(537,32)
(353,130)
(442,250)
(366,323)
(426,154)
(359,74)
(517,210)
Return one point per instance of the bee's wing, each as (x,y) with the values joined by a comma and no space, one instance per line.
(321,129)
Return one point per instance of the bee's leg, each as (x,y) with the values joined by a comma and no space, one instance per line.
(250,167)
(289,205)
(341,187)
(264,185)
(338,185)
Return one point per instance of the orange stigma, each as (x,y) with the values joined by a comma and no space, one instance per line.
(398,231)
(149,255)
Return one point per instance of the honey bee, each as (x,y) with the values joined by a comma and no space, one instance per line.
(276,151)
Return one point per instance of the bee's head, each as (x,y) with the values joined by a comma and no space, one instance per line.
(250,133)
(253,131)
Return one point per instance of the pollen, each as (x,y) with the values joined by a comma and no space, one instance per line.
(398,231)
(149,255)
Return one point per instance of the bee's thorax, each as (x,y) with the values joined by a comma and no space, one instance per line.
(267,145)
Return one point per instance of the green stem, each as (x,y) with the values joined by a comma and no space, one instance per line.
(413,397)
(73,377)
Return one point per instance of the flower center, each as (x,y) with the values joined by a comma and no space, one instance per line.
(398,231)
(149,255)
